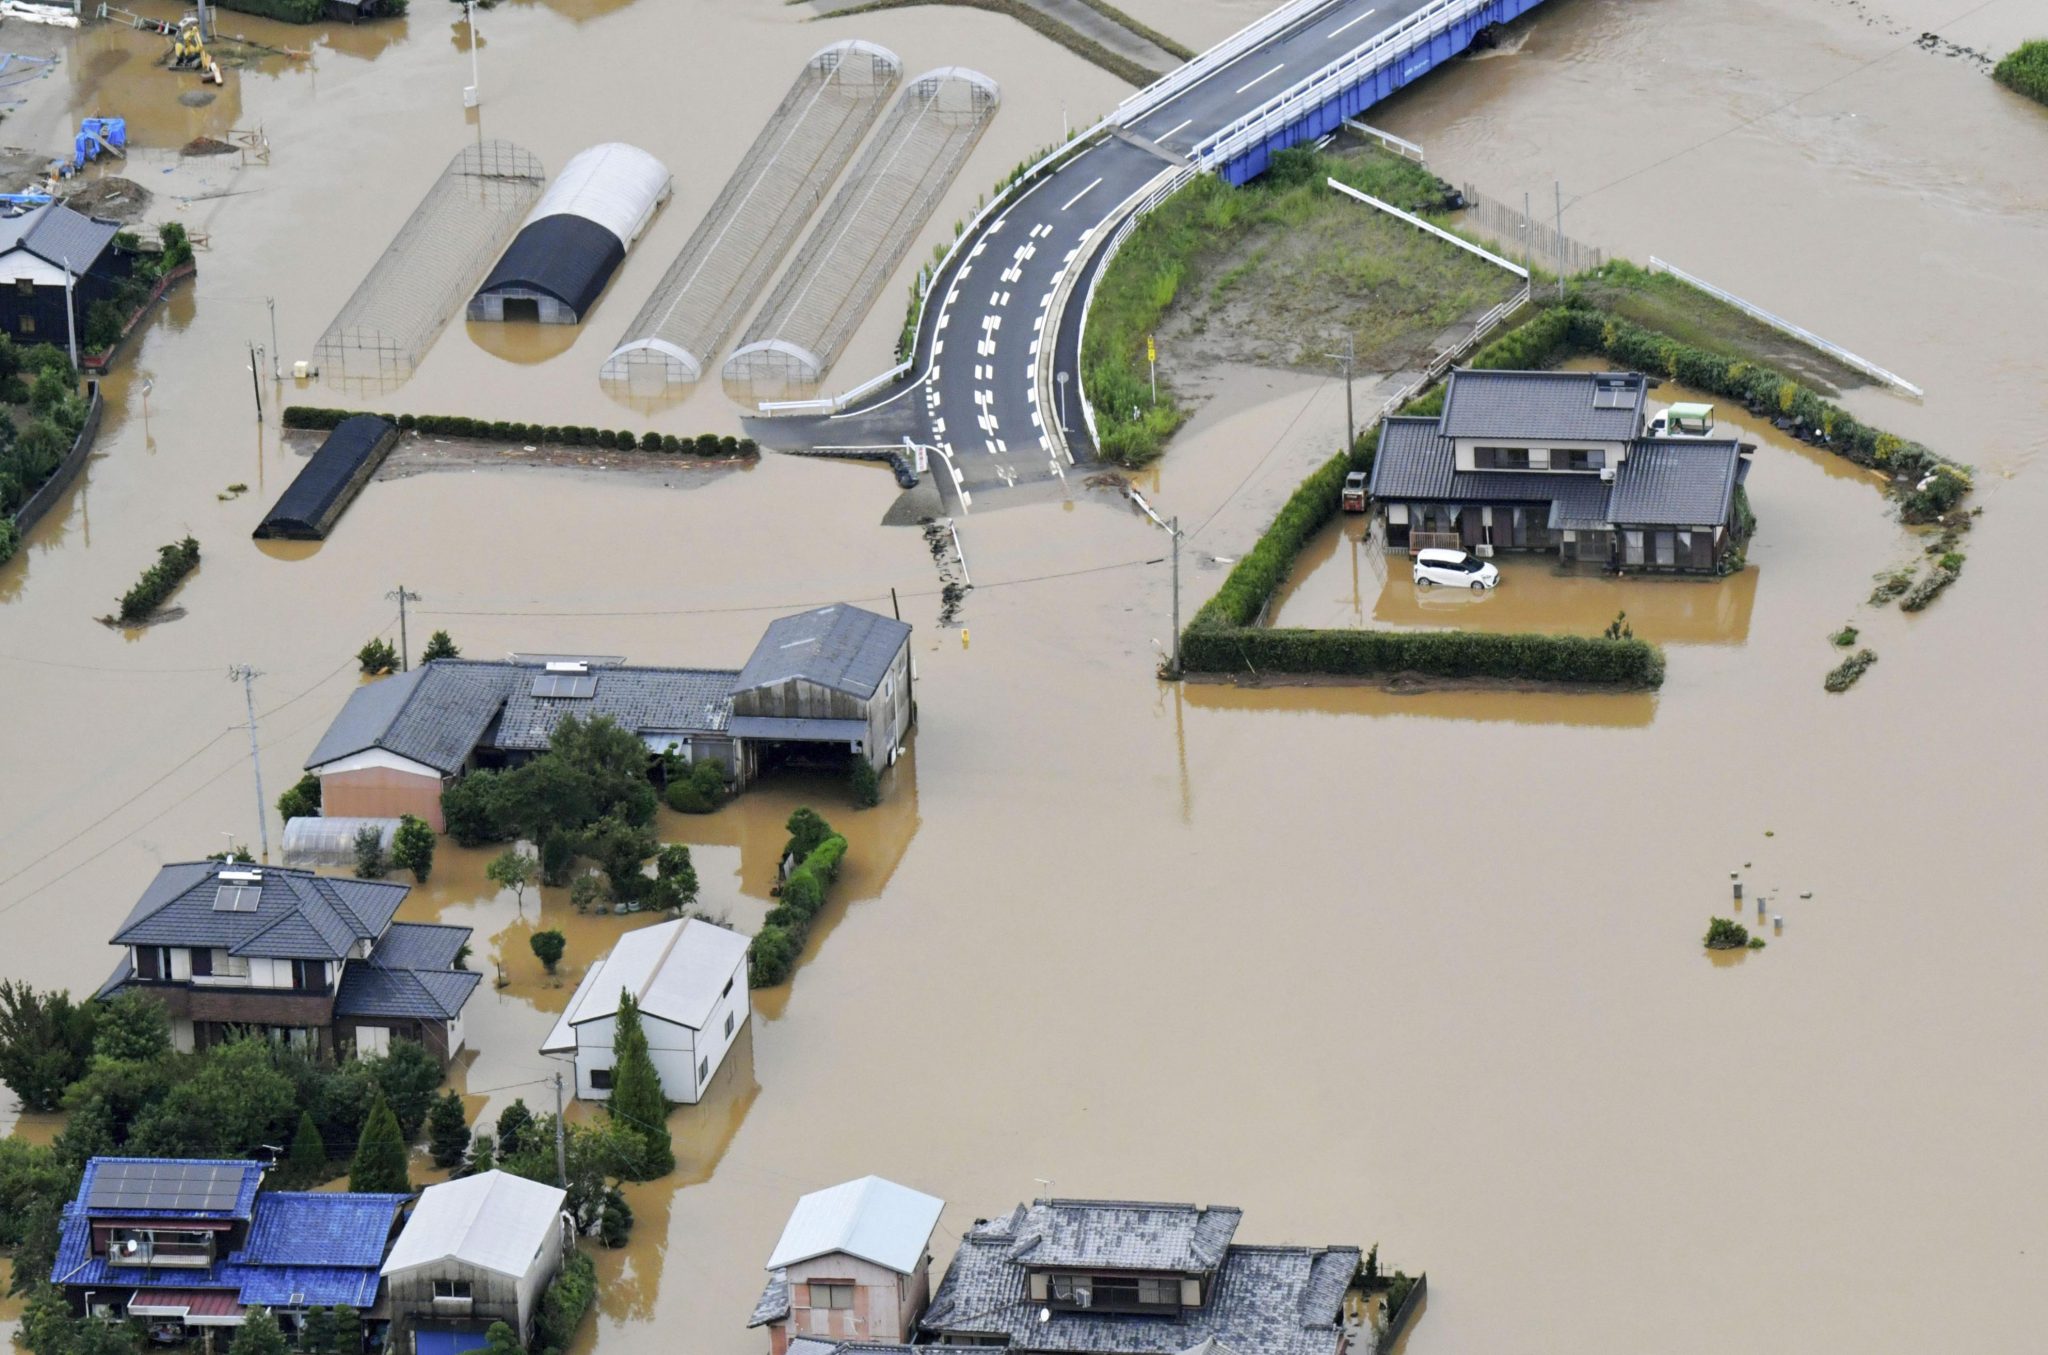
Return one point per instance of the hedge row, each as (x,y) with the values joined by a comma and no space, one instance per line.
(160,580)
(2025,69)
(1589,660)
(567,435)
(567,1298)
(773,952)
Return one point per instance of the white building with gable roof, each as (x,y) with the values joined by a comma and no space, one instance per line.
(475,1251)
(853,1263)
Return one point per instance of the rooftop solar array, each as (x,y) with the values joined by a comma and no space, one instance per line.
(195,1186)
(237,898)
(581,686)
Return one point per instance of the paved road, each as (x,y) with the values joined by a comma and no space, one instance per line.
(977,394)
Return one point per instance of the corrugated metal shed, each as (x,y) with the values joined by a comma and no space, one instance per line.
(676,971)
(842,647)
(494,1220)
(872,1218)
(307,509)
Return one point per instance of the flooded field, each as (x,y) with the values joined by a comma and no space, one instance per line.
(1192,942)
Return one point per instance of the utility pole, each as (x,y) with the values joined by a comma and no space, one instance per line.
(276,363)
(1173,669)
(247,676)
(1559,185)
(256,381)
(1348,359)
(70,315)
(561,1141)
(404,649)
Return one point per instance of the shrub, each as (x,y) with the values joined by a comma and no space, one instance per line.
(728,446)
(440,645)
(802,896)
(10,539)
(1575,659)
(608,439)
(566,1300)
(302,801)
(1722,934)
(548,947)
(1844,675)
(2025,70)
(1844,637)
(626,439)
(650,442)
(160,580)
(412,848)
(369,853)
(671,444)
(476,809)
(700,790)
(377,656)
(706,444)
(771,955)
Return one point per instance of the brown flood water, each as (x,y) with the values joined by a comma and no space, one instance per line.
(1200,943)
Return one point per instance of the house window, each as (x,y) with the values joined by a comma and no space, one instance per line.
(451,1289)
(309,976)
(703,1069)
(727,990)
(153,962)
(1158,1291)
(831,1294)
(1501,458)
(601,1079)
(222,965)
(1578,460)
(24,286)
(728,1025)
(28,324)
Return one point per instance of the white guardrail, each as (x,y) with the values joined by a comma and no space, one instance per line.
(1784,326)
(1438,231)
(1163,187)
(1137,106)
(1320,88)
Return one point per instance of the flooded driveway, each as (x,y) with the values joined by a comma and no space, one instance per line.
(1421,970)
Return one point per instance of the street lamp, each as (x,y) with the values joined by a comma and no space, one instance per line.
(1062,379)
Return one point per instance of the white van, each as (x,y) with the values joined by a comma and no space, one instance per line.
(1455,569)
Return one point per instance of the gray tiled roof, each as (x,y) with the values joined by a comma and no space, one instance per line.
(843,647)
(1675,482)
(419,945)
(773,1305)
(1262,1301)
(1414,461)
(407,994)
(55,233)
(1538,407)
(1119,1235)
(441,712)
(299,915)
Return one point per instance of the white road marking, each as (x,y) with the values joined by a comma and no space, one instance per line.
(1036,422)
(1091,187)
(980,245)
(952,296)
(939,345)
(1255,79)
(945,318)
(1163,135)
(1035,345)
(1031,370)
(995,298)
(1355,22)
(1002,447)
(1006,299)
(965,269)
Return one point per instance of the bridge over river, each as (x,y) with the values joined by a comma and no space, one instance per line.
(992,390)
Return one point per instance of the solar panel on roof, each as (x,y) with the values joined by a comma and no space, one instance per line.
(237,898)
(193,1186)
(565,685)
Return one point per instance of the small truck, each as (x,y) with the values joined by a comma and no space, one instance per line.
(1354,492)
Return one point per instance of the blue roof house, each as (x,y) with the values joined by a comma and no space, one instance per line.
(192,1243)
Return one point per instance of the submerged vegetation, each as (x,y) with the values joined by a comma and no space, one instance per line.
(818,852)
(1845,673)
(705,445)
(2025,70)
(1722,934)
(159,581)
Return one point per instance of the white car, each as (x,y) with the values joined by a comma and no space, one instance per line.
(1455,569)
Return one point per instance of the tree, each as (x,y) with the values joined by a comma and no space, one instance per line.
(637,1102)
(370,852)
(302,801)
(771,955)
(439,646)
(483,1155)
(309,1153)
(227,1102)
(48,1328)
(675,879)
(377,656)
(548,947)
(620,848)
(867,786)
(447,1130)
(412,847)
(132,1026)
(500,1339)
(477,808)
(807,828)
(587,892)
(44,1042)
(348,1330)
(615,1220)
(379,1163)
(316,1335)
(599,1155)
(513,1122)
(258,1335)
(407,1076)
(511,869)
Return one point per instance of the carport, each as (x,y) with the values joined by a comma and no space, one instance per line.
(789,740)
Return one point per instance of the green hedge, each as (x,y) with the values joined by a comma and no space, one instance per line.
(2025,69)
(1583,659)
(568,435)
(773,953)
(160,580)
(567,1298)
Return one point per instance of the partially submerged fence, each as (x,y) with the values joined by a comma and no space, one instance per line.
(462,223)
(1527,233)
(781,180)
(843,264)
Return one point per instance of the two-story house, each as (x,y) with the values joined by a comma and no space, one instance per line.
(190,1244)
(227,946)
(1117,1277)
(853,1265)
(475,1251)
(1559,461)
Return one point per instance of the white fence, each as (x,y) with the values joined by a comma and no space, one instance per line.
(1783,326)
(1400,146)
(1348,191)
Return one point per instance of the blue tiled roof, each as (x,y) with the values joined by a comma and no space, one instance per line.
(245,1197)
(320,1229)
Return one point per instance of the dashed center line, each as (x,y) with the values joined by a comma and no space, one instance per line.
(1091,187)
(1255,79)
(1355,22)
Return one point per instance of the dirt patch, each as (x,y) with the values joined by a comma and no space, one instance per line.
(20,167)
(420,455)
(111,199)
(206,145)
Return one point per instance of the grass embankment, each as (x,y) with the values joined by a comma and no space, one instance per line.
(1081,45)
(1278,272)
(2025,70)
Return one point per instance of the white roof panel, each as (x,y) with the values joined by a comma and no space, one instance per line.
(494,1220)
(677,971)
(871,1218)
(616,185)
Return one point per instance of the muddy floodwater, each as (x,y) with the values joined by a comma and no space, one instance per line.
(1416,969)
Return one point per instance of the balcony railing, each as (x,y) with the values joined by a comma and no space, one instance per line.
(144,1252)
